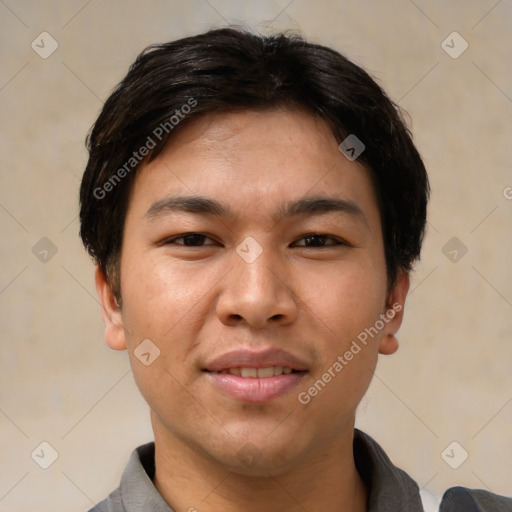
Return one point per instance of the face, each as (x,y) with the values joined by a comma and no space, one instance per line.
(253,261)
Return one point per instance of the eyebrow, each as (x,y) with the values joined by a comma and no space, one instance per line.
(318,205)
(306,206)
(187,204)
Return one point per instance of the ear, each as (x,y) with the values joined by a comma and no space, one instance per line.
(112,318)
(394,314)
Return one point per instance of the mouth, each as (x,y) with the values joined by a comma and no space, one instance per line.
(258,373)
(255,376)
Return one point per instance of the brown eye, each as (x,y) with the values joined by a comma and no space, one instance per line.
(317,240)
(190,240)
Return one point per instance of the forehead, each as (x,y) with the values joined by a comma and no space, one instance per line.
(230,136)
(252,159)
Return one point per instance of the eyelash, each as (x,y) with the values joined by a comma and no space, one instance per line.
(337,241)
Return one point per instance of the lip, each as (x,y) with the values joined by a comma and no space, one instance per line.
(255,390)
(245,358)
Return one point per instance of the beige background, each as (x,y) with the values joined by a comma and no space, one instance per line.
(452,378)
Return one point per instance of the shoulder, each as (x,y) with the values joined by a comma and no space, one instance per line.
(112,503)
(456,499)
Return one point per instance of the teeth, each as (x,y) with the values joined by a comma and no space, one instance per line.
(263,373)
(260,373)
(248,372)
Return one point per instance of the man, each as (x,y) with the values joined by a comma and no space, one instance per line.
(254,206)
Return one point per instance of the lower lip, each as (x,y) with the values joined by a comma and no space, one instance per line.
(254,390)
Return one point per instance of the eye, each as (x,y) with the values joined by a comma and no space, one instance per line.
(191,240)
(318,240)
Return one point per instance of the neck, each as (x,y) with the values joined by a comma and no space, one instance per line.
(190,482)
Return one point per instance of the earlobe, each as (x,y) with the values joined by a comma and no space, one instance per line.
(394,314)
(111,312)
(388,344)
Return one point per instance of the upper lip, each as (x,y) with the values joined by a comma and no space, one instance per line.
(251,358)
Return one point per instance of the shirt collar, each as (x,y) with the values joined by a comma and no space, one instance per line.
(138,493)
(390,489)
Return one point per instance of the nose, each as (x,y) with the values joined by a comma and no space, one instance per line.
(256,294)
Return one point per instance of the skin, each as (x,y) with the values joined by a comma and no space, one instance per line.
(198,302)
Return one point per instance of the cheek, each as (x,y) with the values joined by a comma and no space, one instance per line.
(347,306)
(155,306)
(348,297)
(346,303)
(161,295)
(161,303)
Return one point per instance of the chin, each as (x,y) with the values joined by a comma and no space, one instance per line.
(261,452)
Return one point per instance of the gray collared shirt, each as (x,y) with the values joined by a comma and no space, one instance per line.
(389,488)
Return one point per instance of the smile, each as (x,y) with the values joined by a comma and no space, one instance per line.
(258,373)
(255,375)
